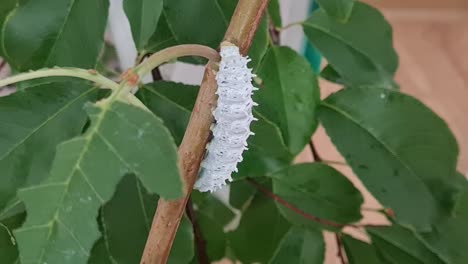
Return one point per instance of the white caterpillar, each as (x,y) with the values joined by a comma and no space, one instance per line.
(233,116)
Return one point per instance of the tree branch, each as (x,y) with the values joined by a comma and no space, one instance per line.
(241,31)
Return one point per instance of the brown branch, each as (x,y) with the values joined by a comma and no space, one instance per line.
(340,249)
(200,242)
(241,31)
(294,208)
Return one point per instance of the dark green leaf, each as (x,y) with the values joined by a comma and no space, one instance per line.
(255,240)
(403,153)
(45,33)
(397,245)
(289,95)
(126,220)
(8,249)
(241,194)
(359,252)
(338,9)
(267,151)
(318,190)
(449,238)
(143,16)
(100,254)
(173,102)
(124,138)
(300,246)
(330,74)
(274,13)
(176,26)
(32,122)
(361,50)
(5,9)
(212,216)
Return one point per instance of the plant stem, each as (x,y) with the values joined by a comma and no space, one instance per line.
(90,75)
(314,151)
(299,23)
(171,53)
(200,242)
(241,31)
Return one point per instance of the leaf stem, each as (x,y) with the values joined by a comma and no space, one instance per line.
(90,75)
(200,242)
(174,52)
(299,23)
(340,248)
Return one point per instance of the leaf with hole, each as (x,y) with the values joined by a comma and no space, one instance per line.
(404,154)
(61,224)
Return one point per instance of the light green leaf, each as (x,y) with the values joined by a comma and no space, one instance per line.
(46,33)
(32,122)
(361,50)
(397,245)
(274,13)
(127,217)
(300,246)
(404,154)
(449,238)
(338,9)
(61,224)
(254,230)
(359,252)
(289,95)
(143,16)
(173,102)
(318,190)
(8,249)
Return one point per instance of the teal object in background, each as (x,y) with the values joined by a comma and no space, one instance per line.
(309,51)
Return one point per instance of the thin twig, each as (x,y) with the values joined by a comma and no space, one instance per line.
(241,31)
(340,249)
(294,208)
(200,242)
(314,151)
(156,73)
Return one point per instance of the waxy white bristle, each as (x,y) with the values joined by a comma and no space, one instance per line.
(233,116)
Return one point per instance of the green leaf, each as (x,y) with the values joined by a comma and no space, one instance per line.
(32,122)
(331,75)
(176,26)
(359,252)
(267,151)
(212,216)
(300,246)
(338,9)
(289,95)
(255,230)
(274,13)
(404,154)
(318,190)
(449,238)
(100,254)
(361,50)
(143,16)
(46,33)
(241,194)
(8,249)
(397,245)
(5,9)
(173,102)
(61,224)
(127,217)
